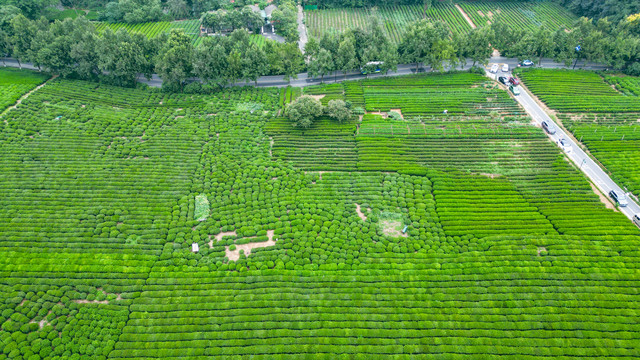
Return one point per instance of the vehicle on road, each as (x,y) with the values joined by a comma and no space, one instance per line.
(619,197)
(503,79)
(494,68)
(371,66)
(636,219)
(505,68)
(526,63)
(549,127)
(565,145)
(514,81)
(515,90)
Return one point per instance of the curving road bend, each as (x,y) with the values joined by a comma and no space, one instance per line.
(592,170)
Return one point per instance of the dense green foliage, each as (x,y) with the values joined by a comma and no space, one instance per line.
(604,117)
(596,9)
(508,252)
(223,20)
(15,83)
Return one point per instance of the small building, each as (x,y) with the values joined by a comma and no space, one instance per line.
(195,248)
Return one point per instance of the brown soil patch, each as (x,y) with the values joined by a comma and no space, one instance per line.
(212,114)
(179,117)
(540,249)
(360,117)
(480,13)
(271,142)
(317,97)
(390,228)
(605,200)
(235,254)
(490,15)
(22,302)
(220,236)
(466,17)
(362,216)
(492,176)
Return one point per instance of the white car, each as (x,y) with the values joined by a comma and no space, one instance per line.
(494,68)
(565,145)
(505,68)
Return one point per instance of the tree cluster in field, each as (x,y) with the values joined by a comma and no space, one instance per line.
(230,20)
(597,9)
(305,109)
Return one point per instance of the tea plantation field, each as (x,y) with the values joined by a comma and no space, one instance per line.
(394,18)
(605,117)
(519,15)
(508,252)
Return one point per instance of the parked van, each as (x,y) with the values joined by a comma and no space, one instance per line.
(636,219)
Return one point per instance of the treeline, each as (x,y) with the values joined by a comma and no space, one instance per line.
(75,49)
(597,9)
(325,4)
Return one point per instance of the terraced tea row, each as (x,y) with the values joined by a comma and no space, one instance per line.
(519,15)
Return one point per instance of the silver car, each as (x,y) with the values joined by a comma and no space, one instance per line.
(619,197)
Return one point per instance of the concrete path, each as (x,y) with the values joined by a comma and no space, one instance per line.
(302,29)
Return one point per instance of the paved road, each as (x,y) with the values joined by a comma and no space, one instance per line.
(592,170)
(304,80)
(302,29)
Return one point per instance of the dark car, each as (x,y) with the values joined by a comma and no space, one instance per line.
(619,197)
(549,127)
(503,79)
(527,63)
(514,81)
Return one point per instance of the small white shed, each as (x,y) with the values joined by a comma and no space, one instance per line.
(195,248)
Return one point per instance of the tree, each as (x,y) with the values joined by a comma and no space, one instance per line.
(22,34)
(337,109)
(303,111)
(178,8)
(5,47)
(427,42)
(285,20)
(477,46)
(210,63)
(322,65)
(311,49)
(32,8)
(285,59)
(132,11)
(346,57)
(255,63)
(174,63)
(121,56)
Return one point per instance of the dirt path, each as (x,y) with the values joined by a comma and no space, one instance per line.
(234,255)
(23,97)
(605,200)
(464,14)
(360,214)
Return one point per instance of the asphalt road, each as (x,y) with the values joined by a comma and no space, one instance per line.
(592,170)
(303,79)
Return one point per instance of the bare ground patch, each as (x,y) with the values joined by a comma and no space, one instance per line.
(234,255)
(317,97)
(605,200)
(362,216)
(392,228)
(492,176)
(466,17)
